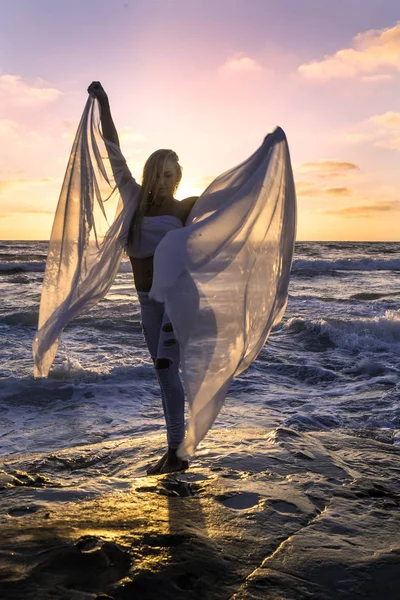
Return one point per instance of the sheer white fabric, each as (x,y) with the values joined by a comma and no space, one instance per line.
(84,250)
(223,277)
(152,231)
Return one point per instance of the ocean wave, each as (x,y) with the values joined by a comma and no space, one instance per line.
(39,266)
(127,324)
(22,257)
(372,334)
(313,422)
(317,266)
(362,296)
(19,278)
(66,378)
(24,318)
(373,295)
(20,267)
(346,264)
(311,374)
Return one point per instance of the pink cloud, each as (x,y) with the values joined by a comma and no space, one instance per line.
(239,63)
(14,90)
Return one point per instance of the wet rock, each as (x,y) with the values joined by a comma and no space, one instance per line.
(21,511)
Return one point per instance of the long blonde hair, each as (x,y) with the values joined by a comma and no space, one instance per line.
(154,164)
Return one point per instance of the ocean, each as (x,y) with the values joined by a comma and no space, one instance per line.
(333,363)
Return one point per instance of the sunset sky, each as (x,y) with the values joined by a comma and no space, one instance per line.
(209,79)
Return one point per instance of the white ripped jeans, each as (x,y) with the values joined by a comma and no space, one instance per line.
(164,351)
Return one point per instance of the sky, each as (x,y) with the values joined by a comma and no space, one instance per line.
(209,79)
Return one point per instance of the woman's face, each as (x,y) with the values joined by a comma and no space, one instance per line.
(167,179)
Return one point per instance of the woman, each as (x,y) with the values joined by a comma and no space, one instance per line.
(223,278)
(157,213)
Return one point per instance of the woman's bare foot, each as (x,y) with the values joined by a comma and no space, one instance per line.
(169,463)
(173,463)
(156,469)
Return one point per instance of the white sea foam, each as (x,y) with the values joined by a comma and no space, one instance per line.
(374,333)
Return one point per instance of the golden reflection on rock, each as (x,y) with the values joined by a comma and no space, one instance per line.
(289,513)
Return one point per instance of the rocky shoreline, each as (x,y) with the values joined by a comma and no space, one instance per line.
(264,515)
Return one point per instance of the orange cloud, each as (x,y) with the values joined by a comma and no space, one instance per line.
(309,189)
(328,168)
(14,90)
(371,53)
(365,211)
(389,119)
(338,191)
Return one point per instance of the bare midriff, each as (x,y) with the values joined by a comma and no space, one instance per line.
(142,273)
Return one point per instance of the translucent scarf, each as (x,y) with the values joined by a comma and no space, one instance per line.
(223,277)
(97,201)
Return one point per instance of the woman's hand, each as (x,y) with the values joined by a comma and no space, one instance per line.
(96,90)
(109,131)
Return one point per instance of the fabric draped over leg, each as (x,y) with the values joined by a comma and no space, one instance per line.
(223,278)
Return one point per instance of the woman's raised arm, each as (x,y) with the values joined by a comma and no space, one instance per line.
(108,128)
(122,174)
